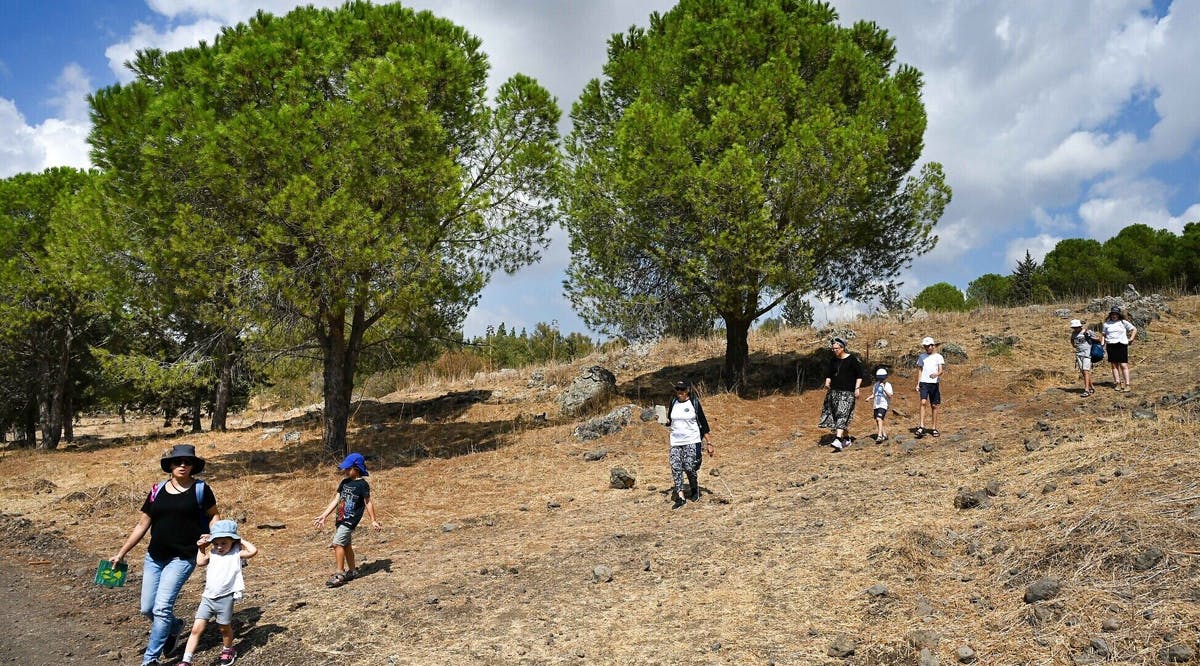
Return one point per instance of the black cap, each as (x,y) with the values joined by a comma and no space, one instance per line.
(1115,310)
(681,386)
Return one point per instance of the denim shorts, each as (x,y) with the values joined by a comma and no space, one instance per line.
(341,535)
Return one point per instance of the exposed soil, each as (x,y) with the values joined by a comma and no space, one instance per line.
(494,521)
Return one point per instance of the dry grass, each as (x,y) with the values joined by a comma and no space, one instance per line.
(494,521)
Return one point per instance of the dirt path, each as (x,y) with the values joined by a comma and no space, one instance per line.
(45,622)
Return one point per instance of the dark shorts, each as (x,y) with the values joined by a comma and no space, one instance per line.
(880,412)
(931,391)
(1117,352)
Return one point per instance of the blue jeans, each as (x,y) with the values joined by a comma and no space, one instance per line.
(161,582)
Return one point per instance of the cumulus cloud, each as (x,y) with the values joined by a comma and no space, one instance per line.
(1037,247)
(58,141)
(1115,204)
(145,36)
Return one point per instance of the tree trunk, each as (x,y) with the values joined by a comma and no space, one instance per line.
(29,420)
(168,414)
(197,405)
(737,353)
(341,356)
(54,406)
(69,416)
(224,382)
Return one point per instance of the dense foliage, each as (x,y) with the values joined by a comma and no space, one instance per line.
(735,154)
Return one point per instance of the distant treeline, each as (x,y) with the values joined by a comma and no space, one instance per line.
(1150,259)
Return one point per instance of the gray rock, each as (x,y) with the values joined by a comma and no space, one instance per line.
(987,447)
(602,573)
(1148,558)
(877,590)
(965,655)
(1032,445)
(954,353)
(926,657)
(1100,646)
(1063,313)
(647,414)
(291,437)
(1042,590)
(967,499)
(923,608)
(1000,341)
(992,488)
(1176,654)
(608,424)
(1049,488)
(1144,415)
(621,479)
(598,454)
(843,646)
(449,527)
(881,344)
(923,639)
(536,378)
(592,387)
(981,372)
(918,315)
(1110,624)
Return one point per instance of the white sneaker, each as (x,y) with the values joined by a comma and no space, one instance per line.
(837,444)
(847,442)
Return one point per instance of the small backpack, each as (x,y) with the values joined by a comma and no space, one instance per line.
(1097,352)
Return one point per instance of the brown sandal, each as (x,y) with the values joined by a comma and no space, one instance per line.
(336,580)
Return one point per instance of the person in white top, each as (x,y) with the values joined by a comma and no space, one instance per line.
(223,584)
(929,386)
(882,392)
(1118,335)
(689,431)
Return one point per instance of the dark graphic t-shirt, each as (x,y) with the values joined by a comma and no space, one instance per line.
(354,494)
(176,522)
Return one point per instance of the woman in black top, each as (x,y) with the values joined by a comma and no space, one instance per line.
(843,377)
(177,512)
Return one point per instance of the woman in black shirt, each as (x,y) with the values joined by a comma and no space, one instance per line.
(177,512)
(843,377)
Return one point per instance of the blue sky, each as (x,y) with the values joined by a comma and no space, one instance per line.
(1052,120)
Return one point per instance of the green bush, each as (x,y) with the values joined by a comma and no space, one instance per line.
(941,297)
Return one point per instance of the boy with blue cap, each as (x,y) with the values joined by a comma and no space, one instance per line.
(352,499)
(223,583)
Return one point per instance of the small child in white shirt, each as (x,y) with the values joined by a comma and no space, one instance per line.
(223,584)
(882,392)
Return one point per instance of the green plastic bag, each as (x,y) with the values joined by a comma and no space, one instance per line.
(109,575)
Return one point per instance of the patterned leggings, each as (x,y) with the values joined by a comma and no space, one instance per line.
(685,460)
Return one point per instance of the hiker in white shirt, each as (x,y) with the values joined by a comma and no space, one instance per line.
(929,386)
(882,392)
(1118,335)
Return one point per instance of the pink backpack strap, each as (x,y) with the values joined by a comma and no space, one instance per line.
(157,487)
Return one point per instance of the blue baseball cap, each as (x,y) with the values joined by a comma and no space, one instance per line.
(355,460)
(224,528)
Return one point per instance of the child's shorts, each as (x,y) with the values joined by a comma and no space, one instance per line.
(880,412)
(220,608)
(1083,362)
(931,391)
(341,535)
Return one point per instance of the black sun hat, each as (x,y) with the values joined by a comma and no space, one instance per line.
(182,451)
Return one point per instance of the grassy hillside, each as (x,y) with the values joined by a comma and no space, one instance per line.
(494,521)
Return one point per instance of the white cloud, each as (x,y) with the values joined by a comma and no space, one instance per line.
(1045,221)
(1038,247)
(60,141)
(1115,204)
(145,36)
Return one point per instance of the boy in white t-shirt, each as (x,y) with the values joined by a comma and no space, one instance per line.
(882,391)
(929,386)
(223,584)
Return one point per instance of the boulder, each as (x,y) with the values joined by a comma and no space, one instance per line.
(954,353)
(591,388)
(1041,590)
(620,479)
(604,425)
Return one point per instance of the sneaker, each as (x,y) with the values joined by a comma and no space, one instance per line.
(837,444)
(847,442)
(881,439)
(228,656)
(677,500)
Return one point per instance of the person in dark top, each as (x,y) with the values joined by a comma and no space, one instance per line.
(352,499)
(843,377)
(176,512)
